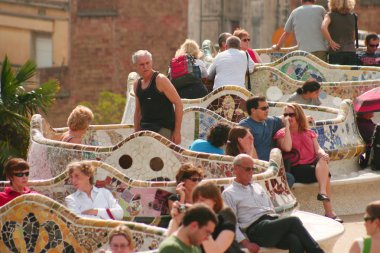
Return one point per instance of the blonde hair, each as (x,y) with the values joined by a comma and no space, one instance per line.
(122,230)
(85,167)
(80,118)
(190,47)
(342,6)
(300,117)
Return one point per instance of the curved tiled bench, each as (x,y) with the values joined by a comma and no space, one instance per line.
(146,201)
(301,65)
(277,86)
(268,55)
(35,223)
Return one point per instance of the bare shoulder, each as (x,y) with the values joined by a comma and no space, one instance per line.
(163,82)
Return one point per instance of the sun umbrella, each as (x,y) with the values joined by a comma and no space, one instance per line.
(368,101)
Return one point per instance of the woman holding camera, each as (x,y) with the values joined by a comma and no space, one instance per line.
(223,237)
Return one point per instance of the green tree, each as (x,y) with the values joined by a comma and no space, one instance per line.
(18,105)
(108,109)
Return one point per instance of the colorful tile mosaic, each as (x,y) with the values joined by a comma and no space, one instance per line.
(35,223)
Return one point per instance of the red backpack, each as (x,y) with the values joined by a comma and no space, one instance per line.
(183,71)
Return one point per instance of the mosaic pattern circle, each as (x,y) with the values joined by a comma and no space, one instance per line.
(274,93)
(125,161)
(156,164)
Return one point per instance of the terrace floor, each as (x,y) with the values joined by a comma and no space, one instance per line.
(354,228)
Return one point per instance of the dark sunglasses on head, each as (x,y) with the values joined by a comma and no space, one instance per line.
(21,174)
(368,218)
(245,40)
(196,179)
(292,114)
(264,108)
(247,169)
(370,45)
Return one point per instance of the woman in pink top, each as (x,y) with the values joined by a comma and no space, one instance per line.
(244,44)
(310,161)
(17,172)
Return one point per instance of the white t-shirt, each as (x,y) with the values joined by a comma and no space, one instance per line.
(229,68)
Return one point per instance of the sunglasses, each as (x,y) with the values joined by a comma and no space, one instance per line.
(264,108)
(247,169)
(370,45)
(246,40)
(196,179)
(368,218)
(21,174)
(291,114)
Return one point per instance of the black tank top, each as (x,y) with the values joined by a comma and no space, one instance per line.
(156,109)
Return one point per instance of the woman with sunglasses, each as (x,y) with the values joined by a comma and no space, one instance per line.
(223,237)
(188,176)
(371,243)
(17,172)
(244,44)
(90,201)
(309,162)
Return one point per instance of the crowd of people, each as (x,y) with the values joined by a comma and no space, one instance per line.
(204,219)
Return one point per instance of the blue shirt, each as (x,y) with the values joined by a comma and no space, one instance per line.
(205,147)
(263,133)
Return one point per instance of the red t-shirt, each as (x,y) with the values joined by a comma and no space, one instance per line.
(8,194)
(303,142)
(252,54)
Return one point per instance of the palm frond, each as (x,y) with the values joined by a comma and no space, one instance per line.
(27,70)
(7,87)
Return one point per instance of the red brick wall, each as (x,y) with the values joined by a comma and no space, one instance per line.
(101,45)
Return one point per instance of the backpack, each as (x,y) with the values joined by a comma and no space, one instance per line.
(184,72)
(376,149)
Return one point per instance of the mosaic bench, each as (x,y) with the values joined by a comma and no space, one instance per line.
(301,65)
(268,55)
(35,223)
(277,86)
(146,201)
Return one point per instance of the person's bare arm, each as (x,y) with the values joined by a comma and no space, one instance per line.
(166,87)
(281,41)
(285,143)
(137,115)
(326,34)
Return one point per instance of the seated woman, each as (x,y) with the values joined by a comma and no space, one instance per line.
(309,162)
(370,243)
(240,141)
(188,176)
(223,237)
(216,139)
(197,89)
(90,201)
(17,172)
(308,94)
(79,120)
(121,240)
(244,44)
(366,129)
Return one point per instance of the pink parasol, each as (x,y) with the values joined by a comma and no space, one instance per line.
(368,101)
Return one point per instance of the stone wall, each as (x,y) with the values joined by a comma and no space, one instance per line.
(103,38)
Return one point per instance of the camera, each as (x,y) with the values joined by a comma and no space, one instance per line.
(182,208)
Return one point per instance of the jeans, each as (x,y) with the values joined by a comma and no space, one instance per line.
(284,233)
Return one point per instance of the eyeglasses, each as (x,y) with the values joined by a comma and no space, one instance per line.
(121,246)
(248,168)
(21,174)
(368,218)
(264,108)
(196,179)
(291,114)
(370,45)
(246,40)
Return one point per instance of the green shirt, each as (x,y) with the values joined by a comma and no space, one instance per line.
(173,245)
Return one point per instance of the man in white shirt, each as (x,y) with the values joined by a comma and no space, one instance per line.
(230,66)
(257,218)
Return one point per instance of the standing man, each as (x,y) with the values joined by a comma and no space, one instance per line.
(263,127)
(257,217)
(230,66)
(370,57)
(305,21)
(155,96)
(198,223)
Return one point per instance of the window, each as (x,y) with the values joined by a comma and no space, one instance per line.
(43,50)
